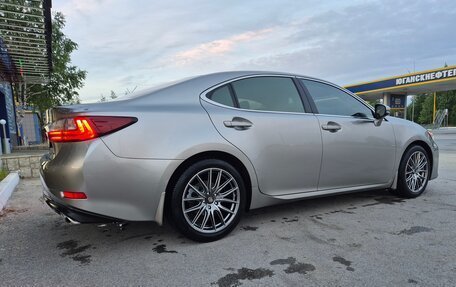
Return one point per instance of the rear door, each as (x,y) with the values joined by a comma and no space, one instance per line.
(356,151)
(265,118)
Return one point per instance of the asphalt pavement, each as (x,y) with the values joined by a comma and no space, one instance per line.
(362,239)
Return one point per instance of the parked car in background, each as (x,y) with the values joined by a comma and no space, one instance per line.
(205,150)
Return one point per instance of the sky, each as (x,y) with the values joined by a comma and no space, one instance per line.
(133,45)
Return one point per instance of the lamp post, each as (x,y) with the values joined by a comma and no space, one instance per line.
(5,140)
(413,108)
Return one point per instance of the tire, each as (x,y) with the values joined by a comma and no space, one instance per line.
(414,172)
(207,215)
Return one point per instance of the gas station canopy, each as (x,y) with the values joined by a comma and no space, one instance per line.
(430,81)
(25,41)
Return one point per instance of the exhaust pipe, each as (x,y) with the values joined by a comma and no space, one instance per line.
(70,220)
(57,210)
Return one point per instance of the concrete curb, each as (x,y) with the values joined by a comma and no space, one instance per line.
(7,186)
(441,131)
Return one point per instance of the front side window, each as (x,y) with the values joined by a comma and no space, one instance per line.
(268,94)
(330,100)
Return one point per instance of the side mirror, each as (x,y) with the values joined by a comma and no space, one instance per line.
(381,111)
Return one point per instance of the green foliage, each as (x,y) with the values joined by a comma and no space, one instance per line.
(3,173)
(447,100)
(415,107)
(113,95)
(424,107)
(427,109)
(372,102)
(104,99)
(65,78)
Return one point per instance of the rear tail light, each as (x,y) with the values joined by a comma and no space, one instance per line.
(85,128)
(73,195)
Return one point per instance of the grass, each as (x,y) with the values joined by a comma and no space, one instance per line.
(3,173)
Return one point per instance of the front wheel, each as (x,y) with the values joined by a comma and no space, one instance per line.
(413,172)
(208,200)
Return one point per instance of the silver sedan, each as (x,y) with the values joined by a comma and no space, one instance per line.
(207,149)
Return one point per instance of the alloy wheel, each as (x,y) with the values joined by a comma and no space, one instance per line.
(211,200)
(416,171)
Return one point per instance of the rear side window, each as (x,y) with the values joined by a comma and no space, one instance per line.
(222,96)
(268,94)
(330,100)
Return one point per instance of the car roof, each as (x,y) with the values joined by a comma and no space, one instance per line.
(201,83)
(184,91)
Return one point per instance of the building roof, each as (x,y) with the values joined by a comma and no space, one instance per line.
(435,80)
(25,41)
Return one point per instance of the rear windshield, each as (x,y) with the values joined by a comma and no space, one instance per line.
(151,90)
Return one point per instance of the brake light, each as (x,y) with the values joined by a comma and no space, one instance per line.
(86,128)
(73,195)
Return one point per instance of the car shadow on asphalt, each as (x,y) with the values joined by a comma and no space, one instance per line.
(287,212)
(334,203)
(84,243)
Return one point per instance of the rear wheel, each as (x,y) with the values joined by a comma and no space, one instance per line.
(413,172)
(208,200)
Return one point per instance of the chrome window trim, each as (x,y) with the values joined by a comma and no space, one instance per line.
(203,95)
(231,95)
(348,117)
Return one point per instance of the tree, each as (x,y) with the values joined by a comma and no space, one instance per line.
(102,98)
(415,107)
(113,95)
(65,79)
(373,102)
(426,112)
(447,100)
(424,107)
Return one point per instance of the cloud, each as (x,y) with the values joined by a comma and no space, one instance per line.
(218,47)
(84,7)
(123,44)
(367,41)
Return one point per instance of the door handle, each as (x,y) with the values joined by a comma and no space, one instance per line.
(238,123)
(331,127)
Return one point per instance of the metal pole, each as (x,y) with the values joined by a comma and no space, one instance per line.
(6,145)
(5,140)
(433,114)
(413,108)
(405,106)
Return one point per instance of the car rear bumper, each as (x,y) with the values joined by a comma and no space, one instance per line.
(117,189)
(76,216)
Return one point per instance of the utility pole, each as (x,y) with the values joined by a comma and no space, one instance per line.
(413,108)
(433,114)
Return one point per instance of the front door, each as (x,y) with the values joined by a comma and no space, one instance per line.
(264,117)
(356,152)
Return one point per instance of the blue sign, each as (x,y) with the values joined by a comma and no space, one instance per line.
(443,74)
(397,101)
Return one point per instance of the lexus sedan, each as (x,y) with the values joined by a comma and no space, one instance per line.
(207,149)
